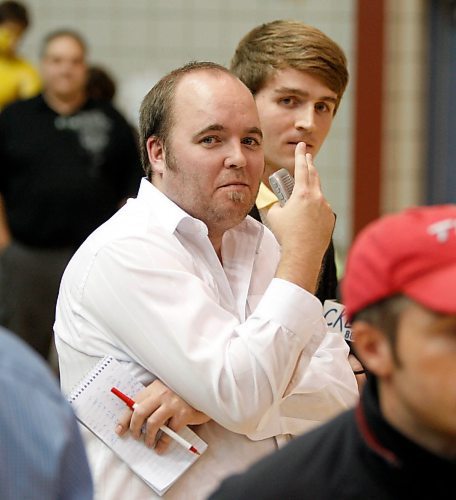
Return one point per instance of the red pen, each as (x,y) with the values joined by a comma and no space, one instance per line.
(132,405)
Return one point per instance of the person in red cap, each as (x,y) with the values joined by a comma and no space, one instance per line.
(400,442)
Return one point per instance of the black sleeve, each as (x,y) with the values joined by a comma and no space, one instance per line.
(327,283)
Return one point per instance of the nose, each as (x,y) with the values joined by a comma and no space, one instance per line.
(235,157)
(305,118)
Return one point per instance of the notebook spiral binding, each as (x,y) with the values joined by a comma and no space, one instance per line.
(85,382)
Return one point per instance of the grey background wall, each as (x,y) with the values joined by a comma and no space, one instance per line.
(140,40)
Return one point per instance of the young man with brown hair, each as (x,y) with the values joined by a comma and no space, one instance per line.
(298,76)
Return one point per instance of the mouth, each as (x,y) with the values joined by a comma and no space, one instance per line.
(234,184)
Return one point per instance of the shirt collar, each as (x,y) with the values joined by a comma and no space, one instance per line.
(172,218)
(265,197)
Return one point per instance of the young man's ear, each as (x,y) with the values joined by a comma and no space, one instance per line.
(373,348)
(156,154)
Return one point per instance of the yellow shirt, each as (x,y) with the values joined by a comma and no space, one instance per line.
(18,80)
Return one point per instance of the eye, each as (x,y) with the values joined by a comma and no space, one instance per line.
(251,141)
(209,140)
(288,101)
(322,107)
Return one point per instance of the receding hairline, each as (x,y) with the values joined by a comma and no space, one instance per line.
(55,35)
(216,72)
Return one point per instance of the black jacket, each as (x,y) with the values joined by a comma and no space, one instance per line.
(356,456)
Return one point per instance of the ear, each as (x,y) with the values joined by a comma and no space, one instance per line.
(156,155)
(373,348)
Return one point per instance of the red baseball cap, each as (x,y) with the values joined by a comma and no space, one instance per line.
(411,253)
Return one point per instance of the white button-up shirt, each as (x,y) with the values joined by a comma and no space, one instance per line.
(249,350)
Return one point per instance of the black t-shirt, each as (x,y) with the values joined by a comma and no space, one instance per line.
(63,176)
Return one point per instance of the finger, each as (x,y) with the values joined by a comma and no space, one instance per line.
(124,422)
(158,418)
(301,167)
(175,423)
(314,178)
(142,412)
(162,443)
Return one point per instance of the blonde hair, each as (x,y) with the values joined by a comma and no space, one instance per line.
(289,44)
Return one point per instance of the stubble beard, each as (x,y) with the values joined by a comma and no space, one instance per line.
(213,214)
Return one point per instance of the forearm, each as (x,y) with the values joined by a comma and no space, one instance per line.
(234,372)
(300,267)
(318,391)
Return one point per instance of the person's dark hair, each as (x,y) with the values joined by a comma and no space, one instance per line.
(60,34)
(156,111)
(100,84)
(14,11)
(384,315)
(289,44)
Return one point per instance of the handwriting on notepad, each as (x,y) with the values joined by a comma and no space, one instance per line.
(99,410)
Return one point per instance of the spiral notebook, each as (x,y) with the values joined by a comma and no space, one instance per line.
(99,410)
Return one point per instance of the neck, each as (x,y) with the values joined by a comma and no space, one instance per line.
(404,419)
(216,240)
(268,170)
(64,105)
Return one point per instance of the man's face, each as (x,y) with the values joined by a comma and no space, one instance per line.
(293,107)
(63,67)
(424,383)
(214,158)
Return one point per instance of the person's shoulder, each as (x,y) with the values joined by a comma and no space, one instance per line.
(107,108)
(22,106)
(23,65)
(120,125)
(16,357)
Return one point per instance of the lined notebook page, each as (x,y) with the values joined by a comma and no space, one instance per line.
(99,410)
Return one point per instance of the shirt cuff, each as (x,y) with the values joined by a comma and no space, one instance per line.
(290,305)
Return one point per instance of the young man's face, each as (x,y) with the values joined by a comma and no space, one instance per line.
(214,158)
(423,385)
(293,107)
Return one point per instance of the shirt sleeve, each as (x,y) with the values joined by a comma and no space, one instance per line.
(320,388)
(232,371)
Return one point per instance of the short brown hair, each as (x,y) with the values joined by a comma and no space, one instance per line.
(384,315)
(289,44)
(156,111)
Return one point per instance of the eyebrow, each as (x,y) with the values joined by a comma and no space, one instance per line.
(216,127)
(302,93)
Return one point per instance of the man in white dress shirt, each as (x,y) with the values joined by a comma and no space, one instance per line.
(182,286)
